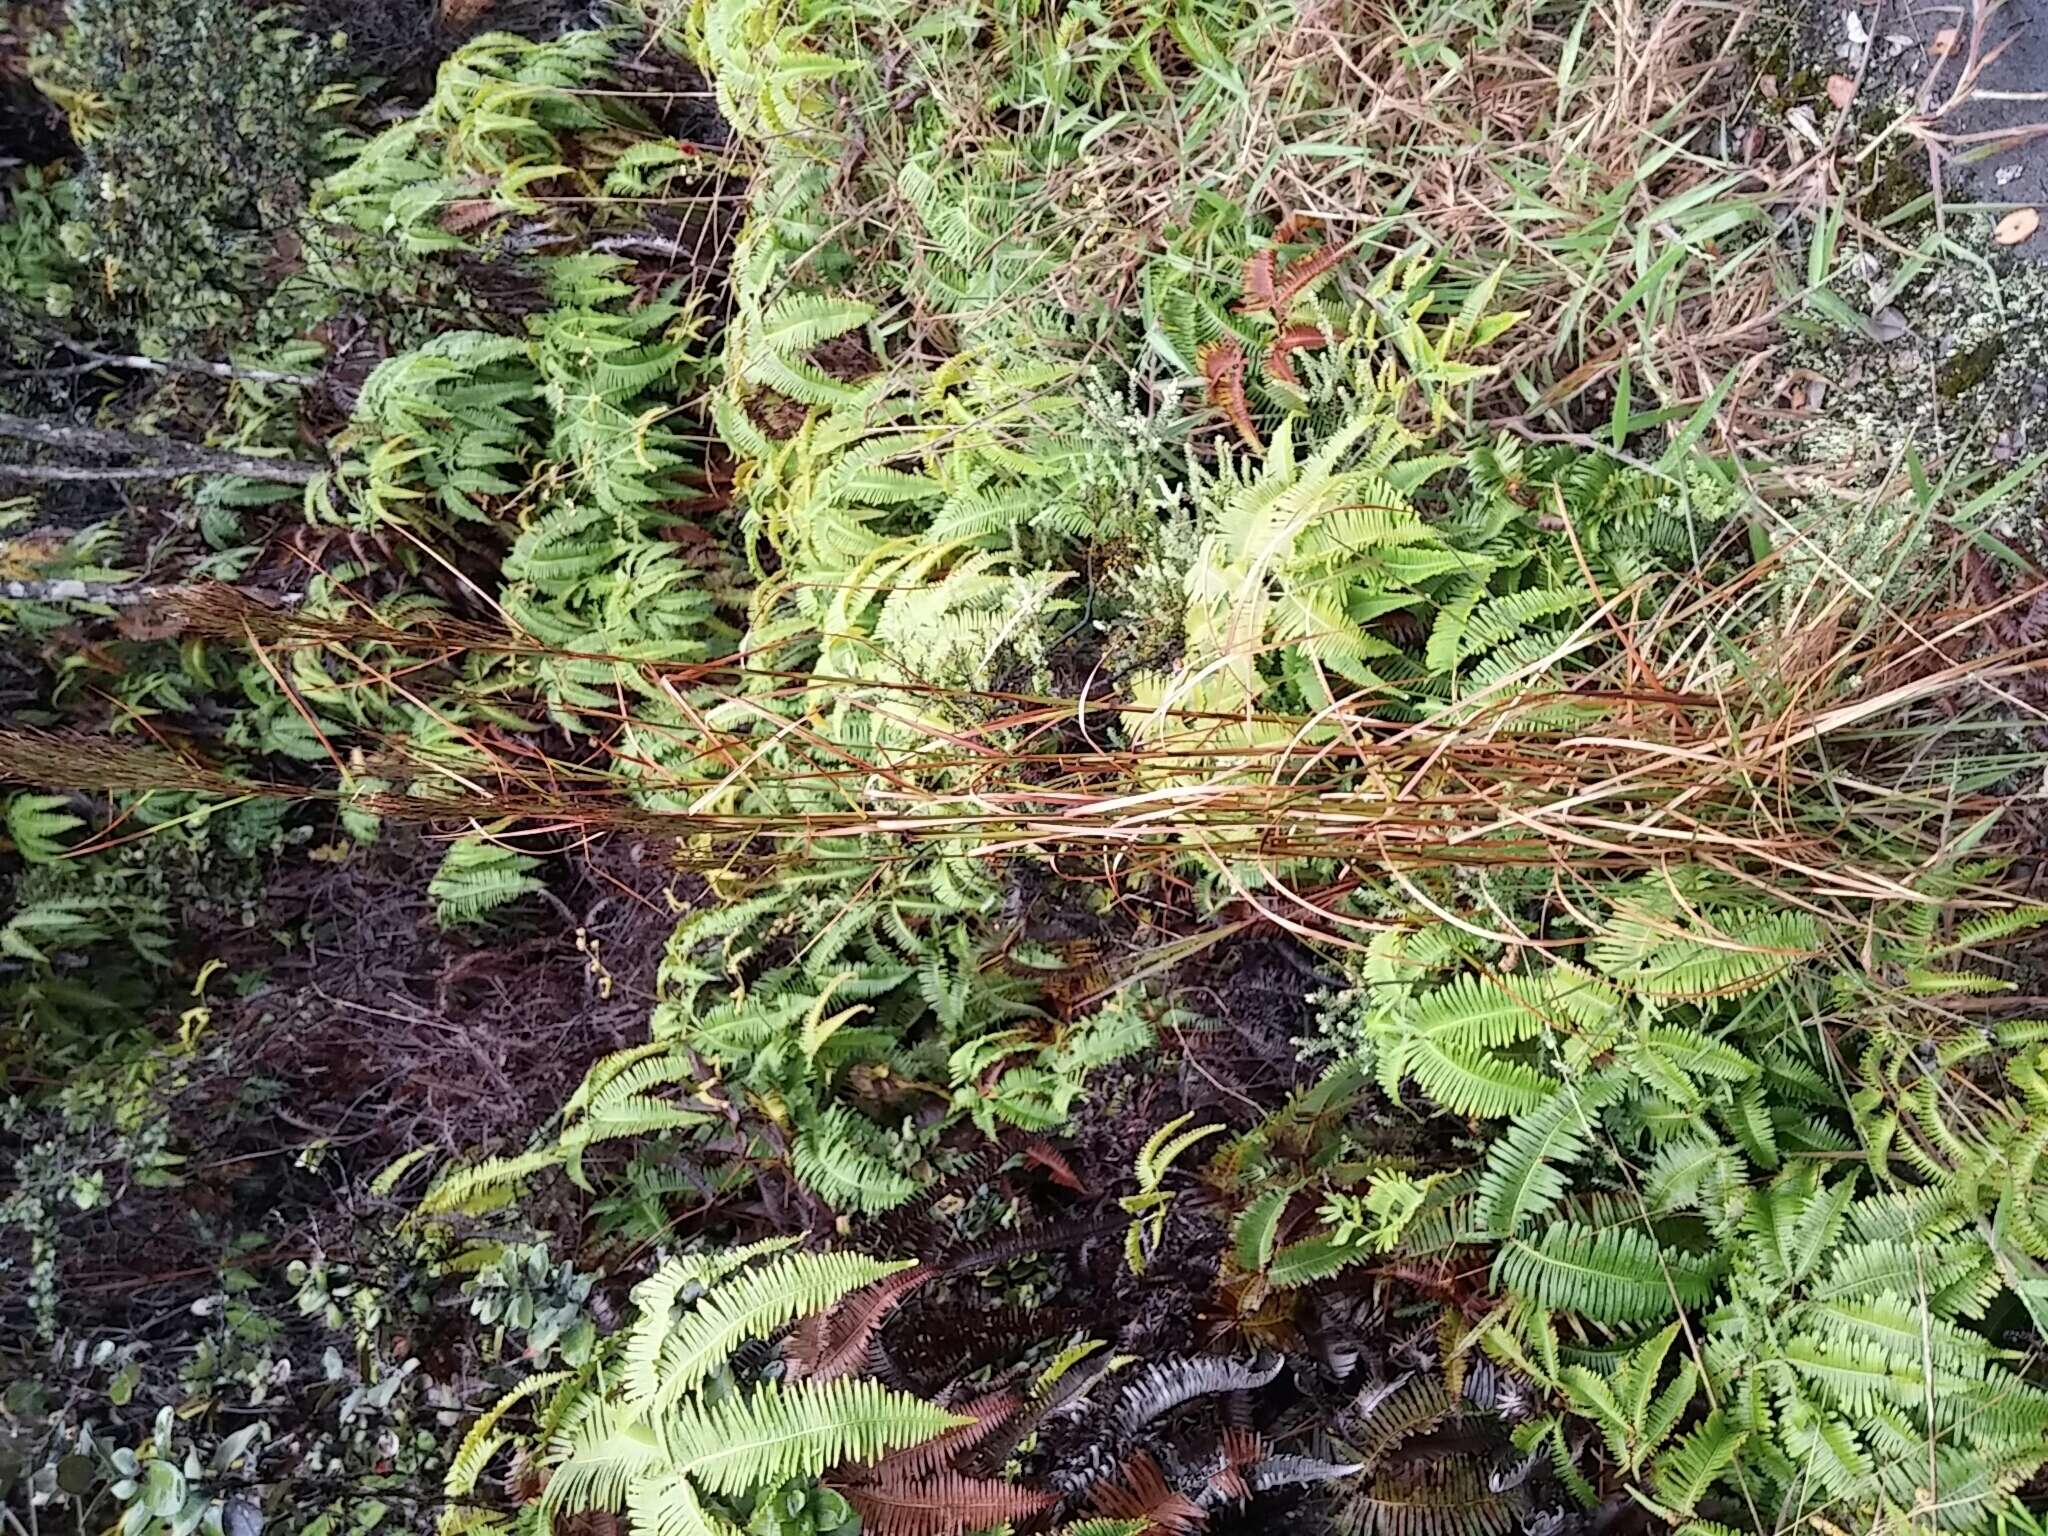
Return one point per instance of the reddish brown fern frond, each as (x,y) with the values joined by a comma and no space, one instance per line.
(936,1455)
(525,1479)
(1258,282)
(1223,366)
(1142,1494)
(1241,1450)
(1294,281)
(836,1342)
(1042,1152)
(1071,989)
(1295,338)
(942,1504)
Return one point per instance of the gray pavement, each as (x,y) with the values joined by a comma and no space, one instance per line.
(2011,94)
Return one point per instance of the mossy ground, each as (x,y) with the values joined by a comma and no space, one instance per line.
(1960,381)
(1950,366)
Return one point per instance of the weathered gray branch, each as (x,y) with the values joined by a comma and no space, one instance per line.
(185,365)
(121,594)
(168,458)
(144,471)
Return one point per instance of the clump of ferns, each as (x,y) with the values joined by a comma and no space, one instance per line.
(1437,1456)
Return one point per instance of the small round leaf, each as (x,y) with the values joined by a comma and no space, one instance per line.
(77,1474)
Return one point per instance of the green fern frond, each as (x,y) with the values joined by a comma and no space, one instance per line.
(476,877)
(1992,928)
(36,825)
(1658,958)
(1615,1276)
(667,1357)
(1524,1172)
(799,321)
(1253,1232)
(836,1157)
(1471,1083)
(483,1439)
(1683,1475)
(774,1433)
(486,1184)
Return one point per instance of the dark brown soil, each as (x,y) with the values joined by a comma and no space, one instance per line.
(368,1031)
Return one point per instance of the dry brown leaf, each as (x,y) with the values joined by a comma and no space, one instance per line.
(466,213)
(1944,43)
(2016,226)
(150,621)
(1841,91)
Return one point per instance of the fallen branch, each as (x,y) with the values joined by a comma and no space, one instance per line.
(123,594)
(170,459)
(184,365)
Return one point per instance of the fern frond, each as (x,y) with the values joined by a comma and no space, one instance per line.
(941,1504)
(1165,1385)
(1613,1276)
(838,1341)
(1448,1497)
(834,1156)
(1523,1175)
(482,1440)
(1992,928)
(669,1357)
(775,1433)
(1473,1083)
(486,1183)
(476,877)
(36,825)
(1683,1475)
(1746,950)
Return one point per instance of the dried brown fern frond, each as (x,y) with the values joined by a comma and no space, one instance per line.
(1141,1493)
(941,1504)
(989,1413)
(1258,280)
(1223,363)
(1450,1496)
(1294,338)
(837,1342)
(918,1491)
(1294,281)
(1295,226)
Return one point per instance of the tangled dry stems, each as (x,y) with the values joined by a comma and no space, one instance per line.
(1800,761)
